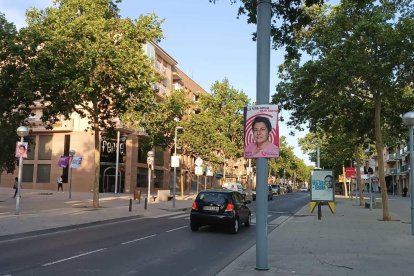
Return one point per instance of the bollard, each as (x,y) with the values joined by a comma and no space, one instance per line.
(145,203)
(130,204)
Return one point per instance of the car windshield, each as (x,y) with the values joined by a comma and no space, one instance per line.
(212,197)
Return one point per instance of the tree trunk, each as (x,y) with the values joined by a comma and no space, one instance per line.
(97,166)
(344,182)
(379,147)
(358,173)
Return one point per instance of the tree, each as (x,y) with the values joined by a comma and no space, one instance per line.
(159,119)
(215,132)
(16,102)
(357,58)
(90,61)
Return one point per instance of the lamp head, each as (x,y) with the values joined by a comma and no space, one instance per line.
(22,131)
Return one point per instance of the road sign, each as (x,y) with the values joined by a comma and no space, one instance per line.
(198,170)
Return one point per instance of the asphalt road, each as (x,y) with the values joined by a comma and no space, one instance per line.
(141,246)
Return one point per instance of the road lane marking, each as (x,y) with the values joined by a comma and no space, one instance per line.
(74,257)
(140,239)
(168,231)
(180,216)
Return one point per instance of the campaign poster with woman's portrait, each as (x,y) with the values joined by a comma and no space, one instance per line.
(21,149)
(261,131)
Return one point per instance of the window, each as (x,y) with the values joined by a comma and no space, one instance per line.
(159,178)
(45,147)
(142,177)
(149,50)
(142,157)
(31,150)
(27,173)
(159,157)
(43,173)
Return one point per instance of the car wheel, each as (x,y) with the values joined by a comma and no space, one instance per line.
(249,220)
(235,226)
(193,226)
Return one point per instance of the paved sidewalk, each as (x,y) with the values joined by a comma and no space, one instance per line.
(354,241)
(40,210)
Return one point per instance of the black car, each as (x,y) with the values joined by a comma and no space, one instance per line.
(220,207)
(269,193)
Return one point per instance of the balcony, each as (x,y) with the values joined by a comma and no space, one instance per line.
(405,168)
(393,157)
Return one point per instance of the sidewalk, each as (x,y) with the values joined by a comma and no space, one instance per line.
(41,210)
(354,241)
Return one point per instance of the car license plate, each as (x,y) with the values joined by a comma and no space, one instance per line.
(211,208)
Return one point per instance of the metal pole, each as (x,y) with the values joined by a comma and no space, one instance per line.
(264,16)
(370,191)
(149,182)
(70,181)
(175,168)
(412,179)
(19,181)
(198,180)
(205,182)
(117,161)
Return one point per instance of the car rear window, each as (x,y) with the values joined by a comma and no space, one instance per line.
(213,197)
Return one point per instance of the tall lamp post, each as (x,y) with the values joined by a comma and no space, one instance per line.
(408,120)
(175,162)
(150,162)
(22,131)
(71,154)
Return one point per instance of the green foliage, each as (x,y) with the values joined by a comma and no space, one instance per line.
(215,131)
(159,119)
(89,60)
(16,101)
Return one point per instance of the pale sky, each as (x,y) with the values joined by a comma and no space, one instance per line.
(208,42)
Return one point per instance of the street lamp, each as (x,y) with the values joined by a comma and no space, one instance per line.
(22,131)
(176,163)
(71,154)
(408,120)
(150,162)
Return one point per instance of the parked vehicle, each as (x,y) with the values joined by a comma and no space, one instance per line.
(220,207)
(275,189)
(304,189)
(269,195)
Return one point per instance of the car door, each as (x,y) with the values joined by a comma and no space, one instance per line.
(240,206)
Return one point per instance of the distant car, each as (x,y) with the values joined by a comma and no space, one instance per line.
(275,189)
(235,186)
(269,193)
(220,207)
(304,189)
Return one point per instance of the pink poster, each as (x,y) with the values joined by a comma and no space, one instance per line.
(261,131)
(63,161)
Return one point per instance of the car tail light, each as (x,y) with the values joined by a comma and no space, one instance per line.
(194,206)
(230,207)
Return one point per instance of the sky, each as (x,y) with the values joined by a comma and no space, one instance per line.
(207,40)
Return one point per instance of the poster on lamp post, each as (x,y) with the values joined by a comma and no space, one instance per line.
(261,131)
(322,185)
(76,162)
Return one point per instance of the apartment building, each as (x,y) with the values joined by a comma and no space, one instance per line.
(41,169)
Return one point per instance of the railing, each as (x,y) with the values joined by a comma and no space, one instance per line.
(405,168)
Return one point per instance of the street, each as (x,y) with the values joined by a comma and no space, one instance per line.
(139,246)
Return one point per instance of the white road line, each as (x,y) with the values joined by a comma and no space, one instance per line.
(74,257)
(143,238)
(168,231)
(180,216)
